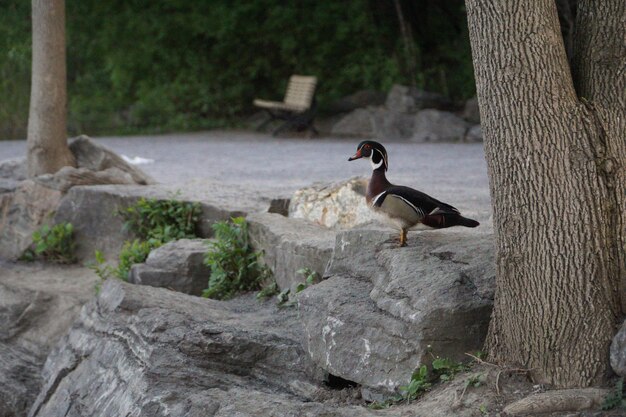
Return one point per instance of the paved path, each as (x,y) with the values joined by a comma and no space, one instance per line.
(454,173)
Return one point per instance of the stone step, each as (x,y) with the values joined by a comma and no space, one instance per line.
(177,265)
(289,245)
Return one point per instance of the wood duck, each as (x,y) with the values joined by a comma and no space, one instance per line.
(404,206)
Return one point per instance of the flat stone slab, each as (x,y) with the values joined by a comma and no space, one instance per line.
(38,304)
(93,210)
(289,245)
(385,310)
(177,265)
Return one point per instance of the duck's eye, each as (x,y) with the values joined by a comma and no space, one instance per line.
(367,146)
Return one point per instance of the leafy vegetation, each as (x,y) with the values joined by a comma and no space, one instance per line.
(154,222)
(309,278)
(268,291)
(234,265)
(195,65)
(54,244)
(421,381)
(446,368)
(616,399)
(162,220)
(418,384)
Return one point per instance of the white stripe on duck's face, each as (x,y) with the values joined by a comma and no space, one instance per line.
(376,154)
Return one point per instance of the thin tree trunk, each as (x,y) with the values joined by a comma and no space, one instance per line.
(557,250)
(410,55)
(47,136)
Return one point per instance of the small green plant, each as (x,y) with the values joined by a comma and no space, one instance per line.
(102,269)
(234,265)
(268,291)
(483,409)
(55,244)
(447,368)
(309,278)
(474,381)
(418,384)
(134,252)
(163,220)
(616,399)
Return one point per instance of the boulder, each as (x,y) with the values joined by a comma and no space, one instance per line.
(95,157)
(438,126)
(375,122)
(38,304)
(403,99)
(474,134)
(21,213)
(618,351)
(26,205)
(385,310)
(336,205)
(13,169)
(356,123)
(177,265)
(471,111)
(93,210)
(290,244)
(143,351)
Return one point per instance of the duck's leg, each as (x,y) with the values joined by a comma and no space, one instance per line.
(403,237)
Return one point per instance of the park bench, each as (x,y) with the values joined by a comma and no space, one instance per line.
(297,109)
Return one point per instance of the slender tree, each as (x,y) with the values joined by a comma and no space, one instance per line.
(47,120)
(555,144)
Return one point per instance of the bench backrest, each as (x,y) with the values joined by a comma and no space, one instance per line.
(300,91)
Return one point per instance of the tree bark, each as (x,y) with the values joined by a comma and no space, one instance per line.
(47,121)
(556,170)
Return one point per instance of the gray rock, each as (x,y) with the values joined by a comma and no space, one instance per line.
(335,205)
(13,169)
(375,122)
(403,99)
(474,134)
(289,245)
(471,111)
(68,177)
(384,309)
(21,213)
(177,265)
(618,351)
(438,126)
(37,306)
(96,157)
(143,351)
(356,123)
(93,210)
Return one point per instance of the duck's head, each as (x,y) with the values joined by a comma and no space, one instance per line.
(373,151)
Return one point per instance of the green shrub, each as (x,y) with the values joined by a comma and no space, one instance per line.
(234,266)
(55,244)
(162,220)
(134,252)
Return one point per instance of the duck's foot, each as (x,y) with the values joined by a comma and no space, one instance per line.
(403,238)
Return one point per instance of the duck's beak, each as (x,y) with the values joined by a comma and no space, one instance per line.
(357,155)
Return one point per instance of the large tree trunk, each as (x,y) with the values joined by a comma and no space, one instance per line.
(47,137)
(556,166)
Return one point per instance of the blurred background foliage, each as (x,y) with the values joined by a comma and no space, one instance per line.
(159,65)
